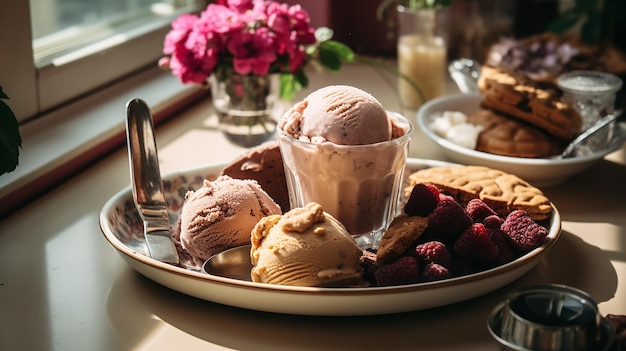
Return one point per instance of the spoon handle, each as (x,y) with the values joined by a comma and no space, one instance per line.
(147,187)
(601,123)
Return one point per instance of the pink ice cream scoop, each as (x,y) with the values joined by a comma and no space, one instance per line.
(340,114)
(221,215)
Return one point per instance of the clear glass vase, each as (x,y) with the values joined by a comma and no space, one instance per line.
(248,107)
(422,54)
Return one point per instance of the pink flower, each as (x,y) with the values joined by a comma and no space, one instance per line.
(253,52)
(278,19)
(255,37)
(219,19)
(297,58)
(300,17)
(240,6)
(177,36)
(186,70)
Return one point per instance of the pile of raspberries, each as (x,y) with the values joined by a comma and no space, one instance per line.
(458,240)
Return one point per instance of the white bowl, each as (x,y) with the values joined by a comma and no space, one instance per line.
(538,171)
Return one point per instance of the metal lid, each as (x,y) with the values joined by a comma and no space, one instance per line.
(550,317)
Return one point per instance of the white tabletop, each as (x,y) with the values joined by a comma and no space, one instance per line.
(63,287)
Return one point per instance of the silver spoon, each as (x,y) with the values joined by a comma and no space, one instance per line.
(599,125)
(147,187)
(465,73)
(232,263)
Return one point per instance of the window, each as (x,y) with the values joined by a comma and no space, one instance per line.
(73,70)
(75,46)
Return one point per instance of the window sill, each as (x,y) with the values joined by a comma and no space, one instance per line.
(67,140)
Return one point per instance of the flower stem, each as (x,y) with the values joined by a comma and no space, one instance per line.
(390,68)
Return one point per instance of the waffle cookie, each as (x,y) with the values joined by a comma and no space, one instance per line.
(506,136)
(536,103)
(503,192)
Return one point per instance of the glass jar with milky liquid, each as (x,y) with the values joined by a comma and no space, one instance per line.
(422,54)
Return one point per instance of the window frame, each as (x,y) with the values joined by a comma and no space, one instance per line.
(34,91)
(18,76)
(60,141)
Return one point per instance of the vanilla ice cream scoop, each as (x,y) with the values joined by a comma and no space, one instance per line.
(221,215)
(304,247)
(341,114)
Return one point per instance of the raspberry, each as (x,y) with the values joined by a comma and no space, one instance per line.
(522,232)
(422,201)
(505,252)
(433,252)
(399,272)
(434,271)
(445,197)
(493,222)
(478,210)
(449,220)
(474,244)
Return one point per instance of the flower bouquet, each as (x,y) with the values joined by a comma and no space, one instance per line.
(253,54)
(250,37)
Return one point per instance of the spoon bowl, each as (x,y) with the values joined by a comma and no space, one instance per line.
(598,126)
(232,263)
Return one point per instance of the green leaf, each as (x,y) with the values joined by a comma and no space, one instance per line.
(332,53)
(344,51)
(329,59)
(290,83)
(287,86)
(10,139)
(302,81)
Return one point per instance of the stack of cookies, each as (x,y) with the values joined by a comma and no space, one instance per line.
(522,113)
(521,117)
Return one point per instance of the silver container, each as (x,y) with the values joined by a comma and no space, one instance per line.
(549,317)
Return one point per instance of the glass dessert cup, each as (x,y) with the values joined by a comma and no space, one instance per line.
(592,95)
(358,184)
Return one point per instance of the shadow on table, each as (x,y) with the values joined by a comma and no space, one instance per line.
(133,301)
(578,264)
(594,195)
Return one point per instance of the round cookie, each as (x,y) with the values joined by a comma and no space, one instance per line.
(507,136)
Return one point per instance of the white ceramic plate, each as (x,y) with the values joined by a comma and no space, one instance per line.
(538,171)
(122,227)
